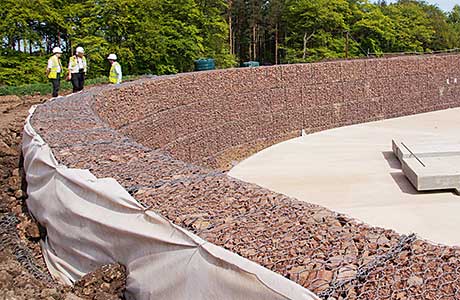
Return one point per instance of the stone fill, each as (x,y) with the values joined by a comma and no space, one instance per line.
(168,141)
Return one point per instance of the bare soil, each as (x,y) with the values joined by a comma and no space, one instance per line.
(23,274)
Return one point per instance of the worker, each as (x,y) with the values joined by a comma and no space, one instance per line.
(77,69)
(115,70)
(54,70)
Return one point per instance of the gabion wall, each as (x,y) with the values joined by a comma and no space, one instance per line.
(211,118)
(159,137)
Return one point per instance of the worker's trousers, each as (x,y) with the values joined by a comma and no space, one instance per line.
(78,80)
(56,83)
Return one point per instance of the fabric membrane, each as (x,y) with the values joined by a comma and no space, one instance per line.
(94,221)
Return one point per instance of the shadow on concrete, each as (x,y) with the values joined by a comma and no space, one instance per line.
(406,187)
(401,180)
(403,183)
(392,160)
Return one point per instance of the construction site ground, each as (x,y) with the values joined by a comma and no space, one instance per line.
(23,274)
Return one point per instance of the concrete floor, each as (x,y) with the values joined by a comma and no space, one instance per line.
(353,170)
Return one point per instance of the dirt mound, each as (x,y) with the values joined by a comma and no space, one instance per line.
(105,283)
(23,274)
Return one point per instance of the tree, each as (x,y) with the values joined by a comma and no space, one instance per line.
(316,29)
(413,28)
(454,24)
(373,29)
(166,36)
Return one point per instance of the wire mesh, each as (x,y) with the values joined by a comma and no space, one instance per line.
(9,238)
(332,255)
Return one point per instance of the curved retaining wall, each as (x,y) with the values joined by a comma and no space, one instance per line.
(157,137)
(212,117)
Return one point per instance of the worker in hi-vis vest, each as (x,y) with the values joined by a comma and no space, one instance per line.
(77,69)
(115,70)
(54,70)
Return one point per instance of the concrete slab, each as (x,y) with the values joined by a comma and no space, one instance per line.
(353,170)
(430,165)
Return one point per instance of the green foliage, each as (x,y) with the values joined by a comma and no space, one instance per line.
(45,88)
(373,29)
(17,68)
(454,22)
(319,25)
(166,36)
(404,26)
(148,36)
(413,28)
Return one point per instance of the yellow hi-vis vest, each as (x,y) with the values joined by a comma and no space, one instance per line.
(113,76)
(55,64)
(73,63)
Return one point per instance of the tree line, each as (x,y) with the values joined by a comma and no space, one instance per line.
(166,36)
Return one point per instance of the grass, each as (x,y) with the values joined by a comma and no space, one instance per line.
(45,88)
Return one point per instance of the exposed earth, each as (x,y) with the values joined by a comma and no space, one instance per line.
(23,274)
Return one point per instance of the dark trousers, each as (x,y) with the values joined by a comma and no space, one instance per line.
(78,80)
(56,84)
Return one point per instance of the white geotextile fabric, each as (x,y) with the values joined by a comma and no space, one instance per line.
(91,222)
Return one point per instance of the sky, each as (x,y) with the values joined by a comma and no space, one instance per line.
(445,5)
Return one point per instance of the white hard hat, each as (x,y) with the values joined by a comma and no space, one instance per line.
(112,56)
(57,50)
(80,50)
